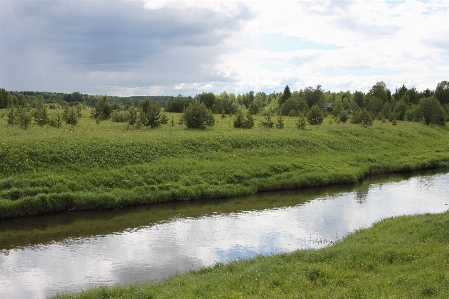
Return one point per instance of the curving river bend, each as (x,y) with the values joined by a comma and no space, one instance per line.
(46,255)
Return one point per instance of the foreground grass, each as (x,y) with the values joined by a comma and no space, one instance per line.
(403,257)
(110,165)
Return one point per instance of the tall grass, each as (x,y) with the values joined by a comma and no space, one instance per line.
(403,257)
(110,165)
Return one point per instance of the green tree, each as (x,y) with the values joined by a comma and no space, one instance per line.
(301,124)
(72,118)
(430,111)
(280,122)
(399,110)
(198,116)
(315,116)
(3,98)
(286,95)
(12,115)
(150,113)
(242,121)
(76,97)
(103,108)
(24,117)
(442,92)
(207,98)
(40,112)
(132,112)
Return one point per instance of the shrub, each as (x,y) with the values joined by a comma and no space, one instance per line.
(198,116)
(150,113)
(301,124)
(315,115)
(119,116)
(241,121)
(268,123)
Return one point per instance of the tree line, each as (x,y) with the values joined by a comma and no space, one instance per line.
(309,104)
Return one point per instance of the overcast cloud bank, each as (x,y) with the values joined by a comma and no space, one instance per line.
(185,47)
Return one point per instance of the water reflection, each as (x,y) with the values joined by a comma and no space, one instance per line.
(148,243)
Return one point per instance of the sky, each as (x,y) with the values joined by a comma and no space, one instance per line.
(148,47)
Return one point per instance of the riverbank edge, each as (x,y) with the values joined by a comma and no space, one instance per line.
(402,256)
(57,203)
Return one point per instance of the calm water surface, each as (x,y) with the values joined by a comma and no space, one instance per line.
(43,256)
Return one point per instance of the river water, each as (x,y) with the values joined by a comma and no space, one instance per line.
(46,255)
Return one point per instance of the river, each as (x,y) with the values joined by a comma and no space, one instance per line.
(46,255)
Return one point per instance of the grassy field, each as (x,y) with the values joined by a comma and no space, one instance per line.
(110,165)
(404,257)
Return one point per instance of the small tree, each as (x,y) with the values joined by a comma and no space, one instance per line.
(24,117)
(198,116)
(268,123)
(164,119)
(150,113)
(12,116)
(301,124)
(40,112)
(132,118)
(241,121)
(280,122)
(315,115)
(72,118)
(56,121)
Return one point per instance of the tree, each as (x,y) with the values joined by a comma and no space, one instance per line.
(40,112)
(358,98)
(132,115)
(72,118)
(103,109)
(380,90)
(3,98)
(24,117)
(442,92)
(286,95)
(430,111)
(315,115)
(280,122)
(76,97)
(242,121)
(198,116)
(301,124)
(207,98)
(150,113)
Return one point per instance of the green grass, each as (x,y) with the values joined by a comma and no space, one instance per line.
(111,165)
(403,257)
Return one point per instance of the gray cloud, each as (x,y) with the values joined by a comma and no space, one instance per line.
(122,40)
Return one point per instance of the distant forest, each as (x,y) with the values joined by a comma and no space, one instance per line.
(379,101)
(71,99)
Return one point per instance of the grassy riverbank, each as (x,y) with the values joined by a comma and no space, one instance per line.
(111,165)
(403,257)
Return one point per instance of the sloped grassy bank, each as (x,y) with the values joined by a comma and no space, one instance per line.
(44,170)
(403,257)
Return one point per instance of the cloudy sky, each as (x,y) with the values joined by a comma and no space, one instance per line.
(130,47)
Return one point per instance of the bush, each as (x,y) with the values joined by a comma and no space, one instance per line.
(241,121)
(119,116)
(268,123)
(150,113)
(198,116)
(301,124)
(315,115)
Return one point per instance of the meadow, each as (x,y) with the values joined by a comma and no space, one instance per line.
(109,165)
(403,257)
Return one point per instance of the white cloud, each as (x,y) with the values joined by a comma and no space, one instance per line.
(130,47)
